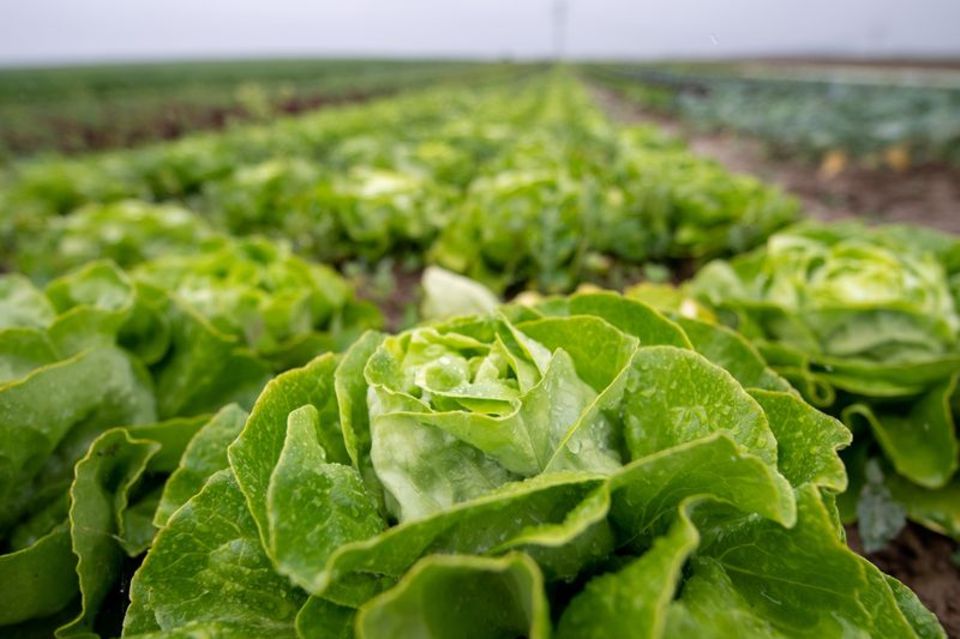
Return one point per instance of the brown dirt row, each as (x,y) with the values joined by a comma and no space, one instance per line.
(927,195)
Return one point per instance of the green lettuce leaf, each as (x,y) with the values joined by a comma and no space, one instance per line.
(228,583)
(99,495)
(96,389)
(205,454)
(473,597)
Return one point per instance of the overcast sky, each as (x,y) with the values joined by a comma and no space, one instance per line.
(81,30)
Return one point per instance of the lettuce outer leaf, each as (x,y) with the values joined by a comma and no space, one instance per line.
(728,349)
(319,617)
(675,395)
(23,350)
(205,454)
(474,597)
(864,322)
(227,581)
(634,601)
(112,392)
(470,528)
(304,487)
(99,496)
(351,386)
(793,576)
(807,440)
(38,580)
(254,454)
(922,444)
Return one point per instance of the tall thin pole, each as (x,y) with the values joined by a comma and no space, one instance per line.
(559,28)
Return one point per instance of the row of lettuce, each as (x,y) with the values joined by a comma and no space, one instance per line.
(586,466)
(865,323)
(155,351)
(877,122)
(508,184)
(80,109)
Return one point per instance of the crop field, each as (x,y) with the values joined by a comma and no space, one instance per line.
(439,349)
(867,116)
(101,107)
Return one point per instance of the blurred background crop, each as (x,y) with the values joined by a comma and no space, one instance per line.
(104,73)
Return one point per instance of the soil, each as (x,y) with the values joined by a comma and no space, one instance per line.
(929,195)
(397,294)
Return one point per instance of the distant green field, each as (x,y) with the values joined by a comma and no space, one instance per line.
(76,109)
(876,115)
